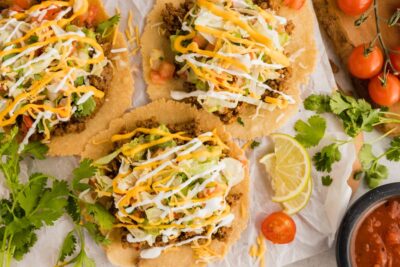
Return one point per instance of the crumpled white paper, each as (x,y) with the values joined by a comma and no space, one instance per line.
(316,224)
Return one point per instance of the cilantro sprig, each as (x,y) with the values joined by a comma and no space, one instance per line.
(310,133)
(357,115)
(31,205)
(69,248)
(373,171)
(95,219)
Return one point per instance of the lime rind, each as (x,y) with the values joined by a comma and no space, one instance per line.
(287,189)
(300,202)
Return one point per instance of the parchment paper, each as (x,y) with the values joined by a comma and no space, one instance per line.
(316,225)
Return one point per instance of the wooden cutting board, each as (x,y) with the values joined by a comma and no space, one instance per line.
(345,36)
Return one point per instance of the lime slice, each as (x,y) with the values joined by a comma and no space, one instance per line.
(269,161)
(292,167)
(299,202)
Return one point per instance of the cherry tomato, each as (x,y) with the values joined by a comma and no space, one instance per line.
(294,4)
(354,7)
(395,58)
(279,228)
(21,4)
(365,66)
(385,95)
(166,70)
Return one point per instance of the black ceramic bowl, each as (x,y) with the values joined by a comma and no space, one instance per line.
(355,214)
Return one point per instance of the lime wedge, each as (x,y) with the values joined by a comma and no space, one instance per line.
(299,202)
(289,166)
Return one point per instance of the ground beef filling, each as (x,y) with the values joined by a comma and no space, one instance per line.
(102,83)
(173,17)
(191,129)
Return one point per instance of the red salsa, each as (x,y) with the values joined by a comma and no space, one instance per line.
(377,239)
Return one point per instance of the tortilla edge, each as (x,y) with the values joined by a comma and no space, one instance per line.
(303,66)
(100,147)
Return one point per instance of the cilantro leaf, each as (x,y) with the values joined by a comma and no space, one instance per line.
(101,216)
(84,171)
(326,180)
(37,149)
(82,260)
(366,156)
(73,209)
(23,241)
(240,121)
(356,115)
(373,172)
(324,159)
(94,232)
(105,28)
(30,195)
(340,103)
(310,134)
(318,103)
(375,175)
(254,144)
(85,109)
(393,153)
(51,205)
(68,247)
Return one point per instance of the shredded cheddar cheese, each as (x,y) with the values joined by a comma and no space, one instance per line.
(258,250)
(230,51)
(46,62)
(169,184)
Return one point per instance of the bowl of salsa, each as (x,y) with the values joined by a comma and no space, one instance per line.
(369,235)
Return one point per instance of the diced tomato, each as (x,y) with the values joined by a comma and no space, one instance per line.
(27,121)
(212,191)
(164,73)
(89,17)
(74,48)
(200,41)
(26,124)
(16,8)
(50,14)
(166,70)
(294,4)
(210,47)
(156,78)
(20,5)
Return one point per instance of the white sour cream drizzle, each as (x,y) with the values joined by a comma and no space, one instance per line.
(257,68)
(200,176)
(24,68)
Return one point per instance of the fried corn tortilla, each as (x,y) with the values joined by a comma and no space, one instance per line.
(62,84)
(301,49)
(169,113)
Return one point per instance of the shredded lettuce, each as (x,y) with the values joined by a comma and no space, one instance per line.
(105,28)
(86,109)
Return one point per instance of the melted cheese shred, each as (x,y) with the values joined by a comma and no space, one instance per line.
(170,185)
(229,50)
(258,250)
(41,59)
